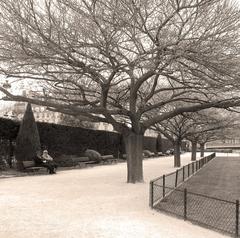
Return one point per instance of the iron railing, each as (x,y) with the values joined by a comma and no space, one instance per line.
(161,186)
(214,213)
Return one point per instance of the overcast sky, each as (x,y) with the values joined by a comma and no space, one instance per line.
(16,86)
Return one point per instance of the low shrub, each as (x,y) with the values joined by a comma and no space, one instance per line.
(93,155)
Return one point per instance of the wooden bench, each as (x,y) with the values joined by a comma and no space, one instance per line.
(82,161)
(29,166)
(108,159)
(148,154)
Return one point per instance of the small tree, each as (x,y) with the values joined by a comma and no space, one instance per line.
(28,141)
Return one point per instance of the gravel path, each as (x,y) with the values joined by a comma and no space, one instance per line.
(90,203)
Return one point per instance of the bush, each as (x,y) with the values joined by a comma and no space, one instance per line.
(64,160)
(3,164)
(150,143)
(59,139)
(93,155)
(8,129)
(28,141)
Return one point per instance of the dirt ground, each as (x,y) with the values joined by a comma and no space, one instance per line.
(90,203)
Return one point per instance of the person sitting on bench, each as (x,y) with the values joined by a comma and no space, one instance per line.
(45,161)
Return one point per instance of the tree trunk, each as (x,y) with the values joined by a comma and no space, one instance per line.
(134,145)
(202,147)
(159,143)
(177,153)
(10,153)
(194,150)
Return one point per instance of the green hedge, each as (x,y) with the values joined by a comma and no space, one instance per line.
(150,143)
(60,139)
(8,129)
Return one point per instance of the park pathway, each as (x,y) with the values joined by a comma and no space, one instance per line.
(90,203)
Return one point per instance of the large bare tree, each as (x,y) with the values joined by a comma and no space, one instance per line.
(113,60)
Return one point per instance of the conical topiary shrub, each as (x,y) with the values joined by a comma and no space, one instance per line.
(28,141)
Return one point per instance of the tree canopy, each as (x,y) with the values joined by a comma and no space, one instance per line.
(119,61)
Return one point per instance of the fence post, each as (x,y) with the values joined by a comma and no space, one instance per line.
(176,179)
(151,194)
(185,204)
(188,167)
(192,168)
(164,185)
(237,218)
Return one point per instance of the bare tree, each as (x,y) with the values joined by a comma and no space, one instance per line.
(209,125)
(209,136)
(175,130)
(111,60)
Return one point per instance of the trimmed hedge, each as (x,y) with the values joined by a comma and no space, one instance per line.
(60,139)
(8,129)
(150,143)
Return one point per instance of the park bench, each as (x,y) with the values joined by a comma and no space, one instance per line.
(108,159)
(152,154)
(29,166)
(82,161)
(148,154)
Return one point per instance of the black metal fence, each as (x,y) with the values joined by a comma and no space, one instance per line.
(161,186)
(207,211)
